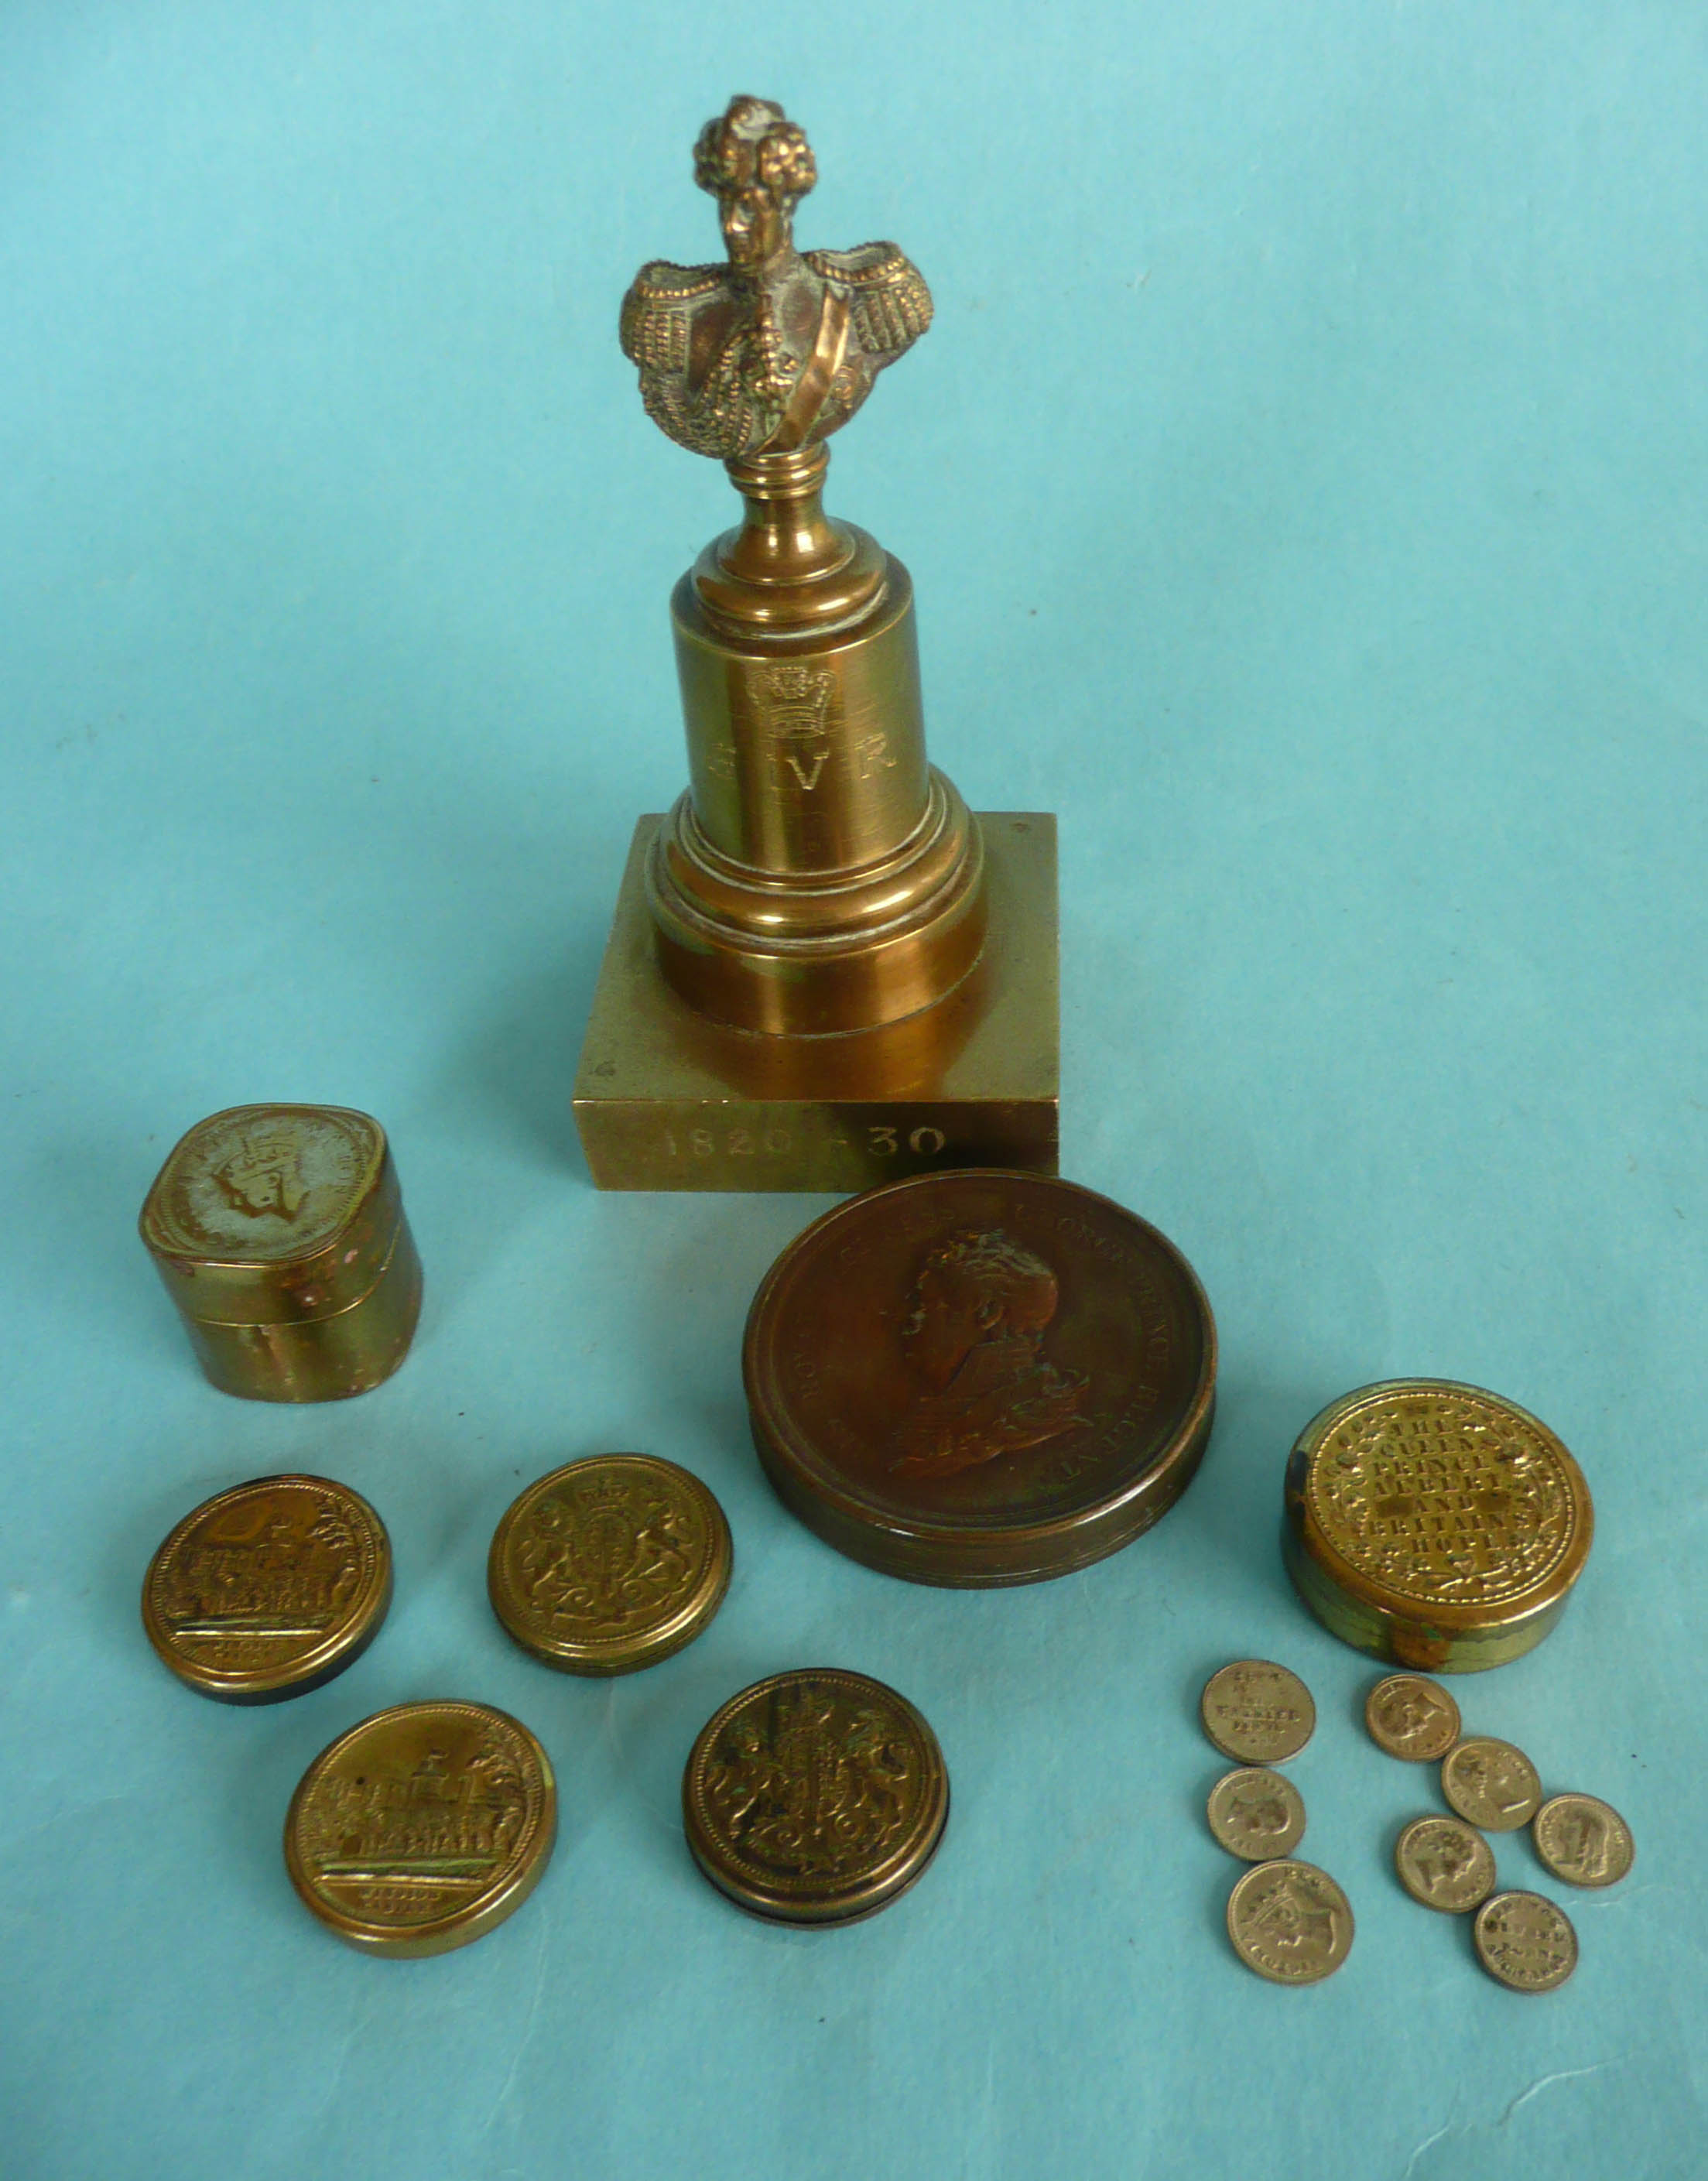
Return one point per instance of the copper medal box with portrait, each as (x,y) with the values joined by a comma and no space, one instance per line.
(980,1378)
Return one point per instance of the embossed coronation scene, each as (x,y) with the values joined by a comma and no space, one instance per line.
(419,1813)
(1443,1497)
(265,1575)
(816,1795)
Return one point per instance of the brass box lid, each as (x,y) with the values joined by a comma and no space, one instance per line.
(278,1232)
(1435,1523)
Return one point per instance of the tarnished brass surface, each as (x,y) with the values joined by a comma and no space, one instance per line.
(1411,1717)
(666,1099)
(1525,1942)
(422,1828)
(1444,1863)
(279,1233)
(1583,1840)
(269,1589)
(817,1796)
(1256,1813)
(819,877)
(980,1378)
(1289,1922)
(1257,1712)
(1434,1524)
(610,1563)
(1490,1784)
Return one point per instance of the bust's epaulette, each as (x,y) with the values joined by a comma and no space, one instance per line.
(888,297)
(654,326)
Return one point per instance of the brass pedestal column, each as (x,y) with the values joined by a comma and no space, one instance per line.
(825,971)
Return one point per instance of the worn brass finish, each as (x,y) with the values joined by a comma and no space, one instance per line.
(1583,1840)
(666,1099)
(817,1796)
(1434,1524)
(818,879)
(1257,1712)
(269,1590)
(1289,1922)
(1490,1784)
(1525,1942)
(279,1233)
(422,1828)
(1444,1863)
(980,1378)
(1411,1717)
(1256,1815)
(610,1563)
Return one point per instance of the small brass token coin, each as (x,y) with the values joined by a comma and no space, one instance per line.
(1490,1784)
(1582,1841)
(269,1589)
(422,1828)
(980,1378)
(817,1796)
(1525,1942)
(1444,1863)
(1256,1712)
(609,1565)
(1434,1524)
(1256,1815)
(1289,1922)
(1412,1718)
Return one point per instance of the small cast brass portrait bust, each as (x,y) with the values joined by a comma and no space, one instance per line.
(776,348)
(974,1334)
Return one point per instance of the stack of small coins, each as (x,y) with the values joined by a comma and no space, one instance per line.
(1288,1921)
(1523,1938)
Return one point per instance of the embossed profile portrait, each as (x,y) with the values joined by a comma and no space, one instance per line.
(1257,1815)
(1298,1927)
(974,1334)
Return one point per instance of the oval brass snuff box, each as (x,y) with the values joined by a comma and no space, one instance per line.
(610,1563)
(269,1590)
(817,1796)
(980,1378)
(1434,1524)
(279,1233)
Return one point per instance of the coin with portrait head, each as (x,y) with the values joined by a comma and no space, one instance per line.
(1289,1922)
(1256,1815)
(1582,1841)
(1490,1784)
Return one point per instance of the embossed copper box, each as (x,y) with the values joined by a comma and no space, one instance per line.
(1434,1524)
(280,1235)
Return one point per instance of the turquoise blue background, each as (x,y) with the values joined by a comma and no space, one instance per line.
(1304,482)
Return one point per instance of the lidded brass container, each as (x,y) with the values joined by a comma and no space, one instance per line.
(279,1233)
(1434,1524)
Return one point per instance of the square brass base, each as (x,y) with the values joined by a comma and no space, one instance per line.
(666,1100)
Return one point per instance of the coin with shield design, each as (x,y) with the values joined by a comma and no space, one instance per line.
(610,1563)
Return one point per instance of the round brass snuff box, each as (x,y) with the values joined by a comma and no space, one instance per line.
(817,1796)
(269,1589)
(980,1378)
(1434,1524)
(278,1232)
(610,1563)
(422,1828)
